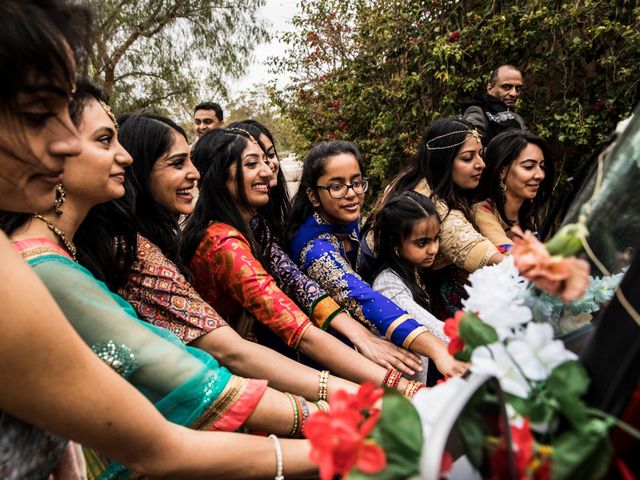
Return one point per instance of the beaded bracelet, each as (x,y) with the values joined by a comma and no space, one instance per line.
(300,412)
(394,379)
(323,385)
(305,413)
(279,462)
(296,415)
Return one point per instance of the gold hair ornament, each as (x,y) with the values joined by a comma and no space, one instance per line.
(473,132)
(107,109)
(243,132)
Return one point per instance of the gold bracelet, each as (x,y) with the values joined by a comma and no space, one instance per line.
(412,388)
(323,385)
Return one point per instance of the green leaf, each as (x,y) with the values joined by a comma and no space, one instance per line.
(568,378)
(567,241)
(399,433)
(567,383)
(582,454)
(540,410)
(474,332)
(521,405)
(463,356)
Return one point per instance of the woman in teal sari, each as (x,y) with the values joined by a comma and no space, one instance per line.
(186,385)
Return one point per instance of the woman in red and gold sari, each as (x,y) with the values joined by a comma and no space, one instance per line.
(226,261)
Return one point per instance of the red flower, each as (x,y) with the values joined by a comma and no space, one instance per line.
(454,36)
(338,438)
(543,472)
(451,327)
(522,440)
(342,126)
(446,464)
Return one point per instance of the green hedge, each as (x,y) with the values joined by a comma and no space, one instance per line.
(378,72)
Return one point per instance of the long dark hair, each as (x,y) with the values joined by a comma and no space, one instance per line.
(312,170)
(106,238)
(147,137)
(499,157)
(39,39)
(267,226)
(213,155)
(445,138)
(393,224)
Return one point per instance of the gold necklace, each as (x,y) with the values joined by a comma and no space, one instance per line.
(71,248)
(418,279)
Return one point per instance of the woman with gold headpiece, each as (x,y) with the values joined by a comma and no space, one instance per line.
(448,168)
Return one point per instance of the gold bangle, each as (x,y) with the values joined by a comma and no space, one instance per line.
(323,385)
(412,388)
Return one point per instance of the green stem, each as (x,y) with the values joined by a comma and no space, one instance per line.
(624,426)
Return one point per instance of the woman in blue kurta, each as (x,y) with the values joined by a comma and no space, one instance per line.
(322,234)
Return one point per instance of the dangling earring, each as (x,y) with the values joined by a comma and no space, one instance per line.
(396,251)
(61,196)
(503,187)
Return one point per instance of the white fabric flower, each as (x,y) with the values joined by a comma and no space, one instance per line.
(493,359)
(432,402)
(536,352)
(496,293)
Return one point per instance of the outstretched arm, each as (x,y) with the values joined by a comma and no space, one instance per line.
(247,358)
(324,311)
(51,379)
(236,272)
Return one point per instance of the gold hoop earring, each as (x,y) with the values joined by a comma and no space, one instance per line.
(61,196)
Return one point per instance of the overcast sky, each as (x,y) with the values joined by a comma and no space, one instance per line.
(279,14)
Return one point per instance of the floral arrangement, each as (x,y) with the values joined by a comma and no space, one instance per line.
(554,433)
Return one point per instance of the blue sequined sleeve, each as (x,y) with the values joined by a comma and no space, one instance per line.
(322,260)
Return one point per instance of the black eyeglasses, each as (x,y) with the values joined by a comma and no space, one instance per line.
(339,190)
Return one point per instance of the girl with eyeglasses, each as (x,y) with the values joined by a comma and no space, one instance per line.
(308,295)
(323,237)
(227,262)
